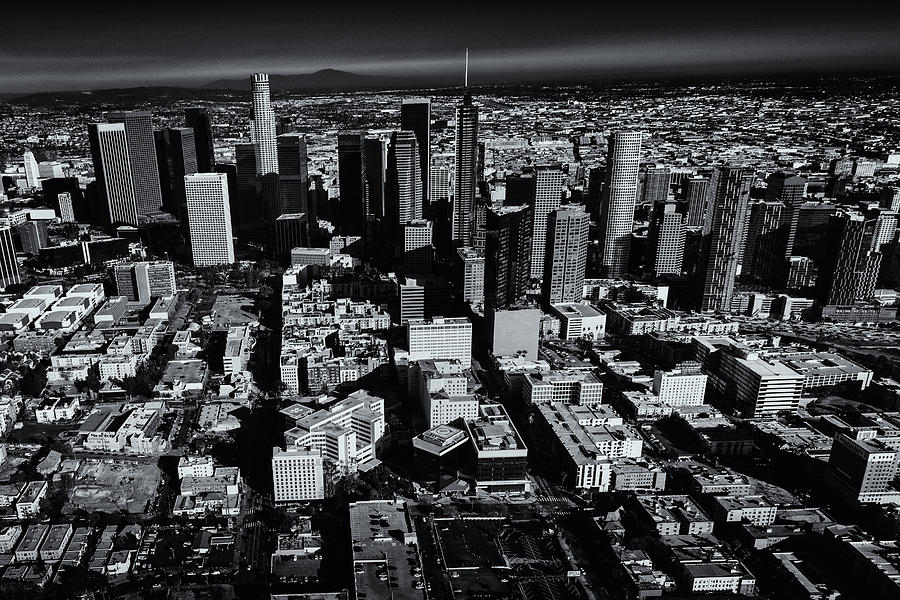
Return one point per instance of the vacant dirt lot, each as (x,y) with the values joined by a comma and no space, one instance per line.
(114,486)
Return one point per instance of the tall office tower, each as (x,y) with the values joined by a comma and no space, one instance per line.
(140,282)
(507,256)
(32,171)
(209,219)
(466,172)
(470,275)
(596,177)
(785,187)
(547,198)
(656,185)
(176,154)
(415,116)
(198,120)
(440,180)
(352,180)
(9,267)
(112,168)
(801,272)
(270,205)
(375,151)
(729,192)
(245,205)
(262,125)
(521,188)
(890,198)
(142,155)
(403,181)
(33,235)
(66,207)
(695,190)
(565,257)
(291,231)
(768,242)
(849,267)
(298,475)
(418,251)
(666,248)
(617,204)
(885,227)
(441,338)
(293,173)
(862,467)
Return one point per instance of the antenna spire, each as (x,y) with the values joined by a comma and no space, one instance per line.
(467,68)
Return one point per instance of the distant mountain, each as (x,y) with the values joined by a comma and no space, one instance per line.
(327,79)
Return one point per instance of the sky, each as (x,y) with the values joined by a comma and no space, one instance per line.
(94,47)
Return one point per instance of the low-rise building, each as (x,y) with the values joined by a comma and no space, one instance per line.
(28,549)
(28,504)
(674,515)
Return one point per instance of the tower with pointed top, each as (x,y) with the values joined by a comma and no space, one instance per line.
(262,125)
(466,165)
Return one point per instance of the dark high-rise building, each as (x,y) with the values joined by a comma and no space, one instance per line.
(33,235)
(617,206)
(849,266)
(403,181)
(142,155)
(198,120)
(248,196)
(293,173)
(890,198)
(375,151)
(565,256)
(768,243)
(695,190)
(112,170)
(666,243)
(729,193)
(521,189)
(291,231)
(352,181)
(466,172)
(55,186)
(596,176)
(176,156)
(812,224)
(230,171)
(271,203)
(656,185)
(507,263)
(415,116)
(9,267)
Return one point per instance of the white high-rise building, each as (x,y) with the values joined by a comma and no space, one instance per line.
(682,386)
(112,169)
(66,208)
(417,247)
(32,171)
(262,125)
(566,256)
(209,219)
(441,338)
(403,180)
(547,198)
(470,274)
(298,475)
(617,203)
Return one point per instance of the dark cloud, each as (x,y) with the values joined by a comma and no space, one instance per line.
(120,46)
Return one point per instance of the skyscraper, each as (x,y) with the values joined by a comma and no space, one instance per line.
(375,151)
(293,173)
(666,247)
(32,171)
(142,155)
(470,275)
(198,120)
(209,219)
(9,267)
(466,172)
(565,256)
(617,204)
(262,125)
(33,235)
(403,181)
(352,180)
(729,192)
(418,251)
(112,169)
(656,185)
(291,231)
(176,154)
(695,190)
(547,198)
(521,188)
(767,247)
(850,262)
(507,263)
(248,195)
(415,116)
